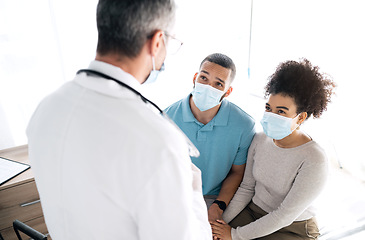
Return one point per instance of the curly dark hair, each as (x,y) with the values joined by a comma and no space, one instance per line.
(310,89)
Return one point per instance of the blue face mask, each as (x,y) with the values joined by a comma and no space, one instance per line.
(277,127)
(206,97)
(154,73)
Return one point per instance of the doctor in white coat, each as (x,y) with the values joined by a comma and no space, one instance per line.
(107,164)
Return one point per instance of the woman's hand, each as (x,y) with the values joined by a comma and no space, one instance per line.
(214,213)
(221,230)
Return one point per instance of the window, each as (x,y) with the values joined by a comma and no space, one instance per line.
(42,44)
(329,34)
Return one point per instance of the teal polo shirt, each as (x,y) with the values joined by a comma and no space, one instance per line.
(222,142)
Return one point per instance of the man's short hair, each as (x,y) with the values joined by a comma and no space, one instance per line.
(222,60)
(125,25)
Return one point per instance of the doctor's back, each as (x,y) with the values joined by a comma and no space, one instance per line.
(108,166)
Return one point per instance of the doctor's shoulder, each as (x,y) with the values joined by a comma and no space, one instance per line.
(169,145)
(163,134)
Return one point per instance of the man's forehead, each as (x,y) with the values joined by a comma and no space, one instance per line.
(216,69)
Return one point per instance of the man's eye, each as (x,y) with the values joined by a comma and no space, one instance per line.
(203,78)
(267,108)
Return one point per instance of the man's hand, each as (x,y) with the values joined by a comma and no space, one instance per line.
(221,230)
(229,187)
(214,213)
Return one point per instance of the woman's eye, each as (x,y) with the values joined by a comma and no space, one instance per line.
(281,112)
(267,108)
(203,78)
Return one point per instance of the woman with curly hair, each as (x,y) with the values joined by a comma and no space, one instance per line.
(286,169)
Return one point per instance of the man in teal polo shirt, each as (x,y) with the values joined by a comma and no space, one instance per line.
(220,130)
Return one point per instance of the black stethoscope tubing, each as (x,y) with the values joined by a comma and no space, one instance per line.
(192,149)
(144,99)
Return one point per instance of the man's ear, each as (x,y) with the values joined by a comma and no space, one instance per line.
(155,43)
(230,89)
(194,78)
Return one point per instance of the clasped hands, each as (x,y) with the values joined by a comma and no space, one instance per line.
(220,229)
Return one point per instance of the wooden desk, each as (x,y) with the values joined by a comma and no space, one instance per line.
(19,197)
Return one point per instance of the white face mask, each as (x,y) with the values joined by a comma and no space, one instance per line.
(277,127)
(206,97)
(154,73)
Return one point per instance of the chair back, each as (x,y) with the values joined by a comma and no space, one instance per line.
(30,232)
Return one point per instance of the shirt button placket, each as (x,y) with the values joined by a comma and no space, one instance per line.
(202,136)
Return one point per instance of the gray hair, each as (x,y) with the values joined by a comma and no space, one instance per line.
(125,25)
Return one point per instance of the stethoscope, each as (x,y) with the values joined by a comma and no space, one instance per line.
(193,151)
(144,99)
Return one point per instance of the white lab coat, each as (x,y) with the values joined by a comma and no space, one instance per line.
(108,166)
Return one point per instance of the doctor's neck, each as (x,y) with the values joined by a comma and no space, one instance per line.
(134,66)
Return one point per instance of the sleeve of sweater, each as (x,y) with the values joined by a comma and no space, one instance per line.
(307,185)
(246,189)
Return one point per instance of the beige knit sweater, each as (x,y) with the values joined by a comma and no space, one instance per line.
(282,181)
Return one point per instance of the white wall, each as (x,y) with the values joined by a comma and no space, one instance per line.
(43,43)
